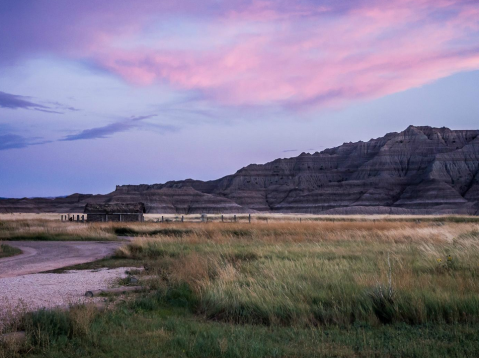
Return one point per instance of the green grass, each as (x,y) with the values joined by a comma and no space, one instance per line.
(150,328)
(7,251)
(109,262)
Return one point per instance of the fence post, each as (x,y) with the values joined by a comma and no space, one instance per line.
(162,219)
(235,218)
(249,218)
(300,220)
(181,218)
(83,218)
(221,218)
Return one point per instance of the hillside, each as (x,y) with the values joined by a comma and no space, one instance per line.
(421,170)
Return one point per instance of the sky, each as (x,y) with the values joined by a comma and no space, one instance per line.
(99,93)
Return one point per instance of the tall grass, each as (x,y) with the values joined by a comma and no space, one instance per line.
(320,273)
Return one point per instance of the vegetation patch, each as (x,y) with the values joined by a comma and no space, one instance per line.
(7,251)
(109,262)
(126,231)
(48,230)
(149,327)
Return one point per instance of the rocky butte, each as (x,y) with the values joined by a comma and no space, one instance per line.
(421,170)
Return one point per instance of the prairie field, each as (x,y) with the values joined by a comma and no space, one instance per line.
(283,288)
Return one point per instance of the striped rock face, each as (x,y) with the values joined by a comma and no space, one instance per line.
(421,170)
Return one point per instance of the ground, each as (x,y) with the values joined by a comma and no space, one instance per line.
(352,287)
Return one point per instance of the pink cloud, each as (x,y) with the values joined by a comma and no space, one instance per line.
(293,53)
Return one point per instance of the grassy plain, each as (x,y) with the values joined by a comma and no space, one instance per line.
(348,288)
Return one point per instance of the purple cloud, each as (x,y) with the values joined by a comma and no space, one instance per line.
(13,101)
(117,127)
(9,141)
(12,141)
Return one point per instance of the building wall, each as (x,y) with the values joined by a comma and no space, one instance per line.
(95,218)
(114,217)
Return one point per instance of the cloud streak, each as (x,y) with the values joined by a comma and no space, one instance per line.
(13,101)
(13,141)
(116,127)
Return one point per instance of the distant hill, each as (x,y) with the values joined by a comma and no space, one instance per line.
(421,170)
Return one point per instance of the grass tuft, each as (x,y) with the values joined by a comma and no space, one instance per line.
(7,251)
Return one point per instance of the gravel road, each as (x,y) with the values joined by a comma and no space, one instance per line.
(49,290)
(40,256)
(23,287)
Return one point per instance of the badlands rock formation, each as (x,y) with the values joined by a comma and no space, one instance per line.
(422,170)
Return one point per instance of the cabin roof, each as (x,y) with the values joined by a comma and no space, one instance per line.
(114,208)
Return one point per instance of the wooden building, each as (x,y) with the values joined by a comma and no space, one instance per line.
(116,212)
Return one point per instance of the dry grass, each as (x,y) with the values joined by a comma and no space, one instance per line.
(53,230)
(10,316)
(294,232)
(319,272)
(81,317)
(31,216)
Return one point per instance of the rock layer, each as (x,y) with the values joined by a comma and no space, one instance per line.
(421,170)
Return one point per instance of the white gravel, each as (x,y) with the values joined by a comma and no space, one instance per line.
(49,290)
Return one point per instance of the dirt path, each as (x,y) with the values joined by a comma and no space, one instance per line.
(40,256)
